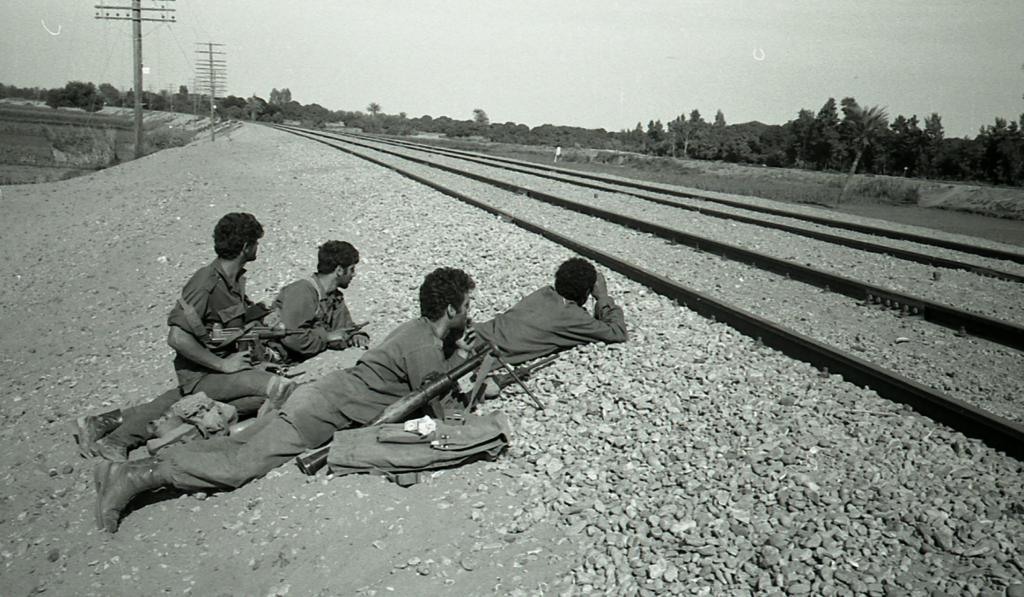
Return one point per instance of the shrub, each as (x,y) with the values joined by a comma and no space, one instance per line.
(164,136)
(888,190)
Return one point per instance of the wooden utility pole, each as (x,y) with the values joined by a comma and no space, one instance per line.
(135,13)
(211,73)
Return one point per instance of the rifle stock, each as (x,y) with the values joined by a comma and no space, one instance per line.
(311,462)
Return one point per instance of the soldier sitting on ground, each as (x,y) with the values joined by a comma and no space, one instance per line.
(341,400)
(316,306)
(213,296)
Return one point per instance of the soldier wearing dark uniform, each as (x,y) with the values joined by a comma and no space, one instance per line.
(316,306)
(344,399)
(553,318)
(214,296)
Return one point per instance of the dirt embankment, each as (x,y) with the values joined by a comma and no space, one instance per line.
(39,144)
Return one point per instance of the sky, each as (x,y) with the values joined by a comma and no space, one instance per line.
(595,63)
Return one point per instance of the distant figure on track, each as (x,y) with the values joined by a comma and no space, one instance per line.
(558,153)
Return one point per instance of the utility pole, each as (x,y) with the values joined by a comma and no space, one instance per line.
(211,74)
(136,14)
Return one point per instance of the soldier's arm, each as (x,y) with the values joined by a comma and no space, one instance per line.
(188,333)
(296,305)
(341,322)
(190,348)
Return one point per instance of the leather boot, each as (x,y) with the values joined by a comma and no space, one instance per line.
(90,428)
(118,483)
(109,449)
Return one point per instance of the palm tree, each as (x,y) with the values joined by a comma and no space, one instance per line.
(373,108)
(865,125)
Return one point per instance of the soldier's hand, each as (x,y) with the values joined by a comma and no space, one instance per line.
(236,362)
(359,341)
(600,289)
(467,340)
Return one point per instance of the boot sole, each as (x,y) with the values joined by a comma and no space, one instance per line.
(85,449)
(99,478)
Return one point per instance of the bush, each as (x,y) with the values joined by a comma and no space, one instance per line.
(163,137)
(888,190)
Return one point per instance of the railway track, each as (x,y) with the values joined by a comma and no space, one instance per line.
(998,431)
(617,185)
(996,330)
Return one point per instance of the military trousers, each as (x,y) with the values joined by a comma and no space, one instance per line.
(245,390)
(307,420)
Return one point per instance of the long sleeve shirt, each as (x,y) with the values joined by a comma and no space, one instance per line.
(391,370)
(544,322)
(304,305)
(209,297)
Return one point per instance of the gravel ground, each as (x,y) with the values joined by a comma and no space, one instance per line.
(970,369)
(994,298)
(688,461)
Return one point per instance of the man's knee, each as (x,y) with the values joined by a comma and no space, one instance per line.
(224,387)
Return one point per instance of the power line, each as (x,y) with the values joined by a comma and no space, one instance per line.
(136,14)
(211,74)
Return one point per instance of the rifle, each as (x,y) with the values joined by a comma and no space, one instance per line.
(522,373)
(249,338)
(313,461)
(349,333)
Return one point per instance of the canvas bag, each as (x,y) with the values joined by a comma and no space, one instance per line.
(391,450)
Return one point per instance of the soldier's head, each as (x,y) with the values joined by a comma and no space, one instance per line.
(339,258)
(447,291)
(574,280)
(237,234)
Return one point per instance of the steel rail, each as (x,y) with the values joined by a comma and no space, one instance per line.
(865,228)
(997,432)
(992,329)
(852,243)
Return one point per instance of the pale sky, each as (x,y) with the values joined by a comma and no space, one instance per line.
(592,63)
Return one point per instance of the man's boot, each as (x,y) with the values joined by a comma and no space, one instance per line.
(108,448)
(118,483)
(90,428)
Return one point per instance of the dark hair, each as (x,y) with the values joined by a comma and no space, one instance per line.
(334,253)
(443,287)
(574,279)
(233,231)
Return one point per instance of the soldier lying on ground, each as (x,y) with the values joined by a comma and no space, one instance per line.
(553,318)
(340,400)
(213,296)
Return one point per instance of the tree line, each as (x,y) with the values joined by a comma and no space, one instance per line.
(841,136)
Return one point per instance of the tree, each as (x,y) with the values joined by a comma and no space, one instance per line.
(111,95)
(823,146)
(719,119)
(801,131)
(933,136)
(865,125)
(480,117)
(75,94)
(373,109)
(280,98)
